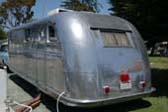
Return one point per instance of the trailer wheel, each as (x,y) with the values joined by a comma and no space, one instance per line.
(8,69)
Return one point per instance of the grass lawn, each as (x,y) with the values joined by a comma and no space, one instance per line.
(159,100)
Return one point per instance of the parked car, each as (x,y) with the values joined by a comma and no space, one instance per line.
(4,56)
(161,49)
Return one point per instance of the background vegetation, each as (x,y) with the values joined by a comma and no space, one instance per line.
(2,34)
(149,16)
(81,5)
(15,12)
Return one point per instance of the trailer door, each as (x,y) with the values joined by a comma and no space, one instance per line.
(54,61)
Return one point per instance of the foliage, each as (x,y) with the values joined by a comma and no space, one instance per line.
(81,5)
(15,12)
(2,34)
(149,16)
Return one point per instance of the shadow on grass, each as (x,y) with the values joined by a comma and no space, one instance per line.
(160,82)
(120,107)
(50,103)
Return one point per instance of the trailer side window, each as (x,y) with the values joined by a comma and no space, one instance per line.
(52,34)
(52,41)
(28,34)
(113,39)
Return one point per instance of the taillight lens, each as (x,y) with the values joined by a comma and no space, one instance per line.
(124,77)
(142,84)
(106,90)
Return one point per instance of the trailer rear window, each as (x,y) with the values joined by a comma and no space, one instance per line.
(113,39)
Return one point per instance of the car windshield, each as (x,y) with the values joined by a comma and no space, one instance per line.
(3,48)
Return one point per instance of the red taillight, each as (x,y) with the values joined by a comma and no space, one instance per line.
(124,77)
(142,84)
(106,90)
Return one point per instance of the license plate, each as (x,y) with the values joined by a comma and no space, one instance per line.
(125,85)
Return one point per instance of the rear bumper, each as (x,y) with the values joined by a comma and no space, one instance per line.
(102,102)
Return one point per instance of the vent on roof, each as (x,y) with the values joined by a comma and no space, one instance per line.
(58,10)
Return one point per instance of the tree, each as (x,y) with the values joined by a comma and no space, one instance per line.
(2,34)
(149,16)
(92,4)
(81,5)
(16,12)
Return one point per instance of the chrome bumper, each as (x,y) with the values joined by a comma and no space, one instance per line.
(102,102)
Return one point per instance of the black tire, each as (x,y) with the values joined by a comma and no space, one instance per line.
(8,69)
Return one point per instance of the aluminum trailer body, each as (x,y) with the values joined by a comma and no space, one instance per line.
(94,59)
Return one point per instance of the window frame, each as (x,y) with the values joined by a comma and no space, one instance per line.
(127,33)
(53,41)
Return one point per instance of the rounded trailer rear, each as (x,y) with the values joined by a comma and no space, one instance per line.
(100,60)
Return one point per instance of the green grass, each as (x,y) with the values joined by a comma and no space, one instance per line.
(159,63)
(159,99)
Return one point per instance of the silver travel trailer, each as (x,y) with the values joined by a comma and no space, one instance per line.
(90,59)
